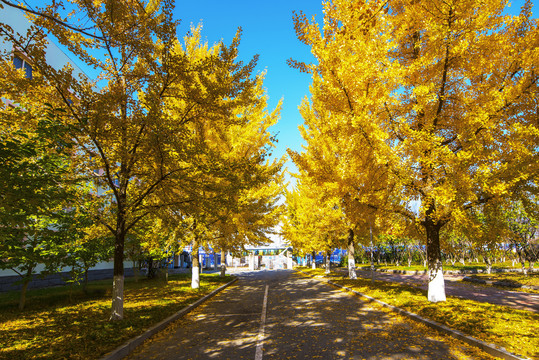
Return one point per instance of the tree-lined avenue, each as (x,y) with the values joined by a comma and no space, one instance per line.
(306,319)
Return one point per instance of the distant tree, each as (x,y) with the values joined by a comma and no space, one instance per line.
(523,226)
(489,234)
(250,220)
(313,221)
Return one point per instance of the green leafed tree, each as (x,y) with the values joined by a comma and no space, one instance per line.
(37,193)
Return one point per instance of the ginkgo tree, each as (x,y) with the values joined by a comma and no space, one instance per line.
(234,202)
(444,93)
(251,221)
(313,220)
(143,127)
(343,167)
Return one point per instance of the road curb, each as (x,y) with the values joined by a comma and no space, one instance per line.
(491,349)
(127,348)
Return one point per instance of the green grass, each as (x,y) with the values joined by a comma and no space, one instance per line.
(54,327)
(515,330)
(480,266)
(393,267)
(472,267)
(532,279)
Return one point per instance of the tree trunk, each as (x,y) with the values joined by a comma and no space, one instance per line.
(313,264)
(328,262)
(135,270)
(523,264)
(119,243)
(372,255)
(195,274)
(85,285)
(22,299)
(149,268)
(71,284)
(488,263)
(351,255)
(436,285)
(223,263)
(118,280)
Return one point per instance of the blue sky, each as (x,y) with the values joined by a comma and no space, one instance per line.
(268,30)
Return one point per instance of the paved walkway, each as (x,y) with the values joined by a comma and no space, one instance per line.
(281,314)
(454,287)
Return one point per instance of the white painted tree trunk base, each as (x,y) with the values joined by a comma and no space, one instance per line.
(223,269)
(195,278)
(352,269)
(436,289)
(117,298)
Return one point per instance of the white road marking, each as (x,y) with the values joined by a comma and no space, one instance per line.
(260,341)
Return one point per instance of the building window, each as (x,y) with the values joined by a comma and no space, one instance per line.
(19,63)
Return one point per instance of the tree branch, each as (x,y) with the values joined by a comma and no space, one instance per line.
(58,21)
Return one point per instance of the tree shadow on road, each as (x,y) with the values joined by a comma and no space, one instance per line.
(305,319)
(314,320)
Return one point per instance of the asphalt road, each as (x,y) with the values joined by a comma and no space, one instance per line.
(280,314)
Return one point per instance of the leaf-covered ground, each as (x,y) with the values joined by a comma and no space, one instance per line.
(530,279)
(479,267)
(53,327)
(515,330)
